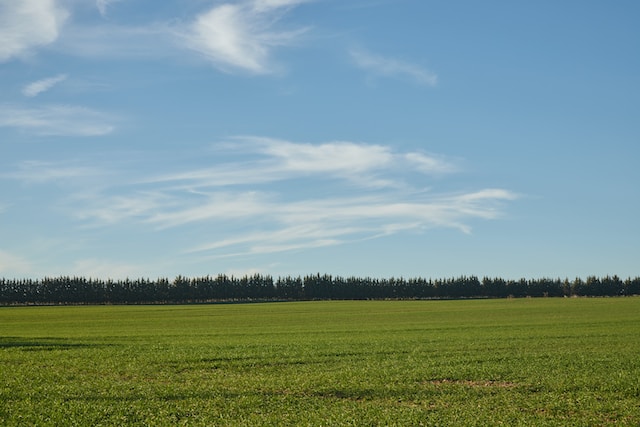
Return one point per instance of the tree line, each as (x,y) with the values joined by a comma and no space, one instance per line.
(223,288)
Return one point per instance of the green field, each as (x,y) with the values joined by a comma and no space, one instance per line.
(534,362)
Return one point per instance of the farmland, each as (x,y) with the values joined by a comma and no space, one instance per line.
(532,361)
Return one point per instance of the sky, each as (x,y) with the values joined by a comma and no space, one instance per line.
(380,138)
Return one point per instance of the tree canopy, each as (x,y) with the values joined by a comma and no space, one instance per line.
(223,288)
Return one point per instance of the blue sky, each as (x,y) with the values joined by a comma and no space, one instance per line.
(286,137)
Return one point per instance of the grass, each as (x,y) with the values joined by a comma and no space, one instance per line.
(543,362)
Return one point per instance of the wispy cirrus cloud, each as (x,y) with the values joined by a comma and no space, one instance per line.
(390,67)
(337,157)
(278,160)
(102,5)
(241,36)
(268,196)
(254,194)
(267,5)
(104,209)
(36,88)
(309,224)
(234,35)
(56,120)
(39,172)
(28,24)
(281,225)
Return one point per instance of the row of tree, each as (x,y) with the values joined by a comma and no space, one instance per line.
(81,290)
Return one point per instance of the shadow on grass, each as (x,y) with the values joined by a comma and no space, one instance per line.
(260,361)
(42,344)
(227,395)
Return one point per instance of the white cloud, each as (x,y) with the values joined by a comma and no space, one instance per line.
(265,5)
(241,36)
(115,209)
(102,5)
(337,157)
(366,165)
(309,232)
(311,223)
(28,24)
(216,206)
(429,164)
(42,172)
(303,235)
(37,87)
(233,36)
(390,67)
(490,193)
(56,120)
(246,207)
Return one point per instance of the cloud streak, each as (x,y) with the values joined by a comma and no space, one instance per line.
(36,88)
(241,36)
(391,67)
(256,194)
(28,24)
(102,5)
(367,165)
(272,196)
(38,172)
(56,120)
(314,223)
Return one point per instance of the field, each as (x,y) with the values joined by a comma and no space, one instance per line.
(542,362)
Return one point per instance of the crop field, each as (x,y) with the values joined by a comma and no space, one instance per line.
(529,362)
